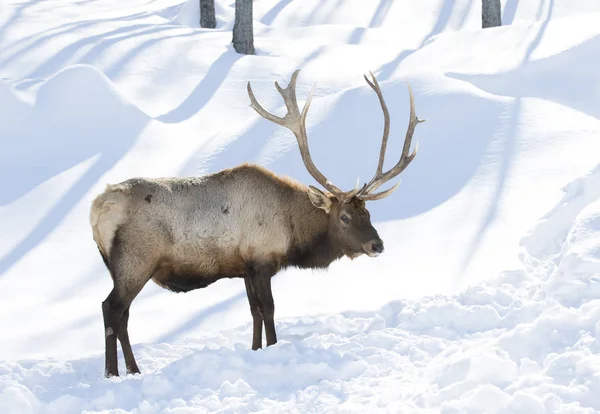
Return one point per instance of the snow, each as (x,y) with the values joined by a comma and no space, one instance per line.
(487,299)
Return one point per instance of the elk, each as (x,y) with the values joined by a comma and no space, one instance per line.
(244,222)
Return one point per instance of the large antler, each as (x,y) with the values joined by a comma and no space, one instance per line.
(295,121)
(366,193)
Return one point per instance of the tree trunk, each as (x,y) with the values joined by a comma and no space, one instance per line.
(207,14)
(243,36)
(490,13)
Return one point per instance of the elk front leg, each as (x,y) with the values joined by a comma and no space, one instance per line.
(263,286)
(260,296)
(260,278)
(257,316)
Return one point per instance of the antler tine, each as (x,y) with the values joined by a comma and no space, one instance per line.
(405,159)
(289,95)
(379,196)
(261,111)
(386,120)
(295,121)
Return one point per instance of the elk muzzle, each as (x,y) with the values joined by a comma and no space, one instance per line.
(373,248)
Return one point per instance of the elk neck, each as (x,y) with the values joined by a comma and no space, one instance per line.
(313,245)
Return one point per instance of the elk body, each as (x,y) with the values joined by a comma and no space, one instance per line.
(244,222)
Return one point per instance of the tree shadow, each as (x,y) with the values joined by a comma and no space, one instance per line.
(509,12)
(506,154)
(380,13)
(40,39)
(19,12)
(272,14)
(540,10)
(313,13)
(245,148)
(117,67)
(170,12)
(540,34)
(76,117)
(389,68)
(62,57)
(465,14)
(102,43)
(205,90)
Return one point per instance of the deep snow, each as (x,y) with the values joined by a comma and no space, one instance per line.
(487,298)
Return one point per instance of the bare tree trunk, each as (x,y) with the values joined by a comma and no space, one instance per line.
(243,36)
(490,13)
(207,14)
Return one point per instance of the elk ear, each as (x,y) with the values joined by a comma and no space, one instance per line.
(319,198)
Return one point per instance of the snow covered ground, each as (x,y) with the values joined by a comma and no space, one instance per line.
(487,299)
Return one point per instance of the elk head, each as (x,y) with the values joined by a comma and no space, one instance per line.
(349,219)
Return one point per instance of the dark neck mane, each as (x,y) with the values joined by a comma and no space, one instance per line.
(316,254)
(312,246)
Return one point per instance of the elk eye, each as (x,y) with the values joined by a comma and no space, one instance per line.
(345,218)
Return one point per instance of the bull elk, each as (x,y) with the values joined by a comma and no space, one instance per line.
(244,222)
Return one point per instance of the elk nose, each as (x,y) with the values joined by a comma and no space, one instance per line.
(377,246)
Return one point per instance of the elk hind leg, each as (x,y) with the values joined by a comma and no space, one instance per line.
(129,279)
(112,310)
(123,336)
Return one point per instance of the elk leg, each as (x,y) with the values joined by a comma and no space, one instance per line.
(123,336)
(116,316)
(262,285)
(257,317)
(268,311)
(111,311)
(129,277)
